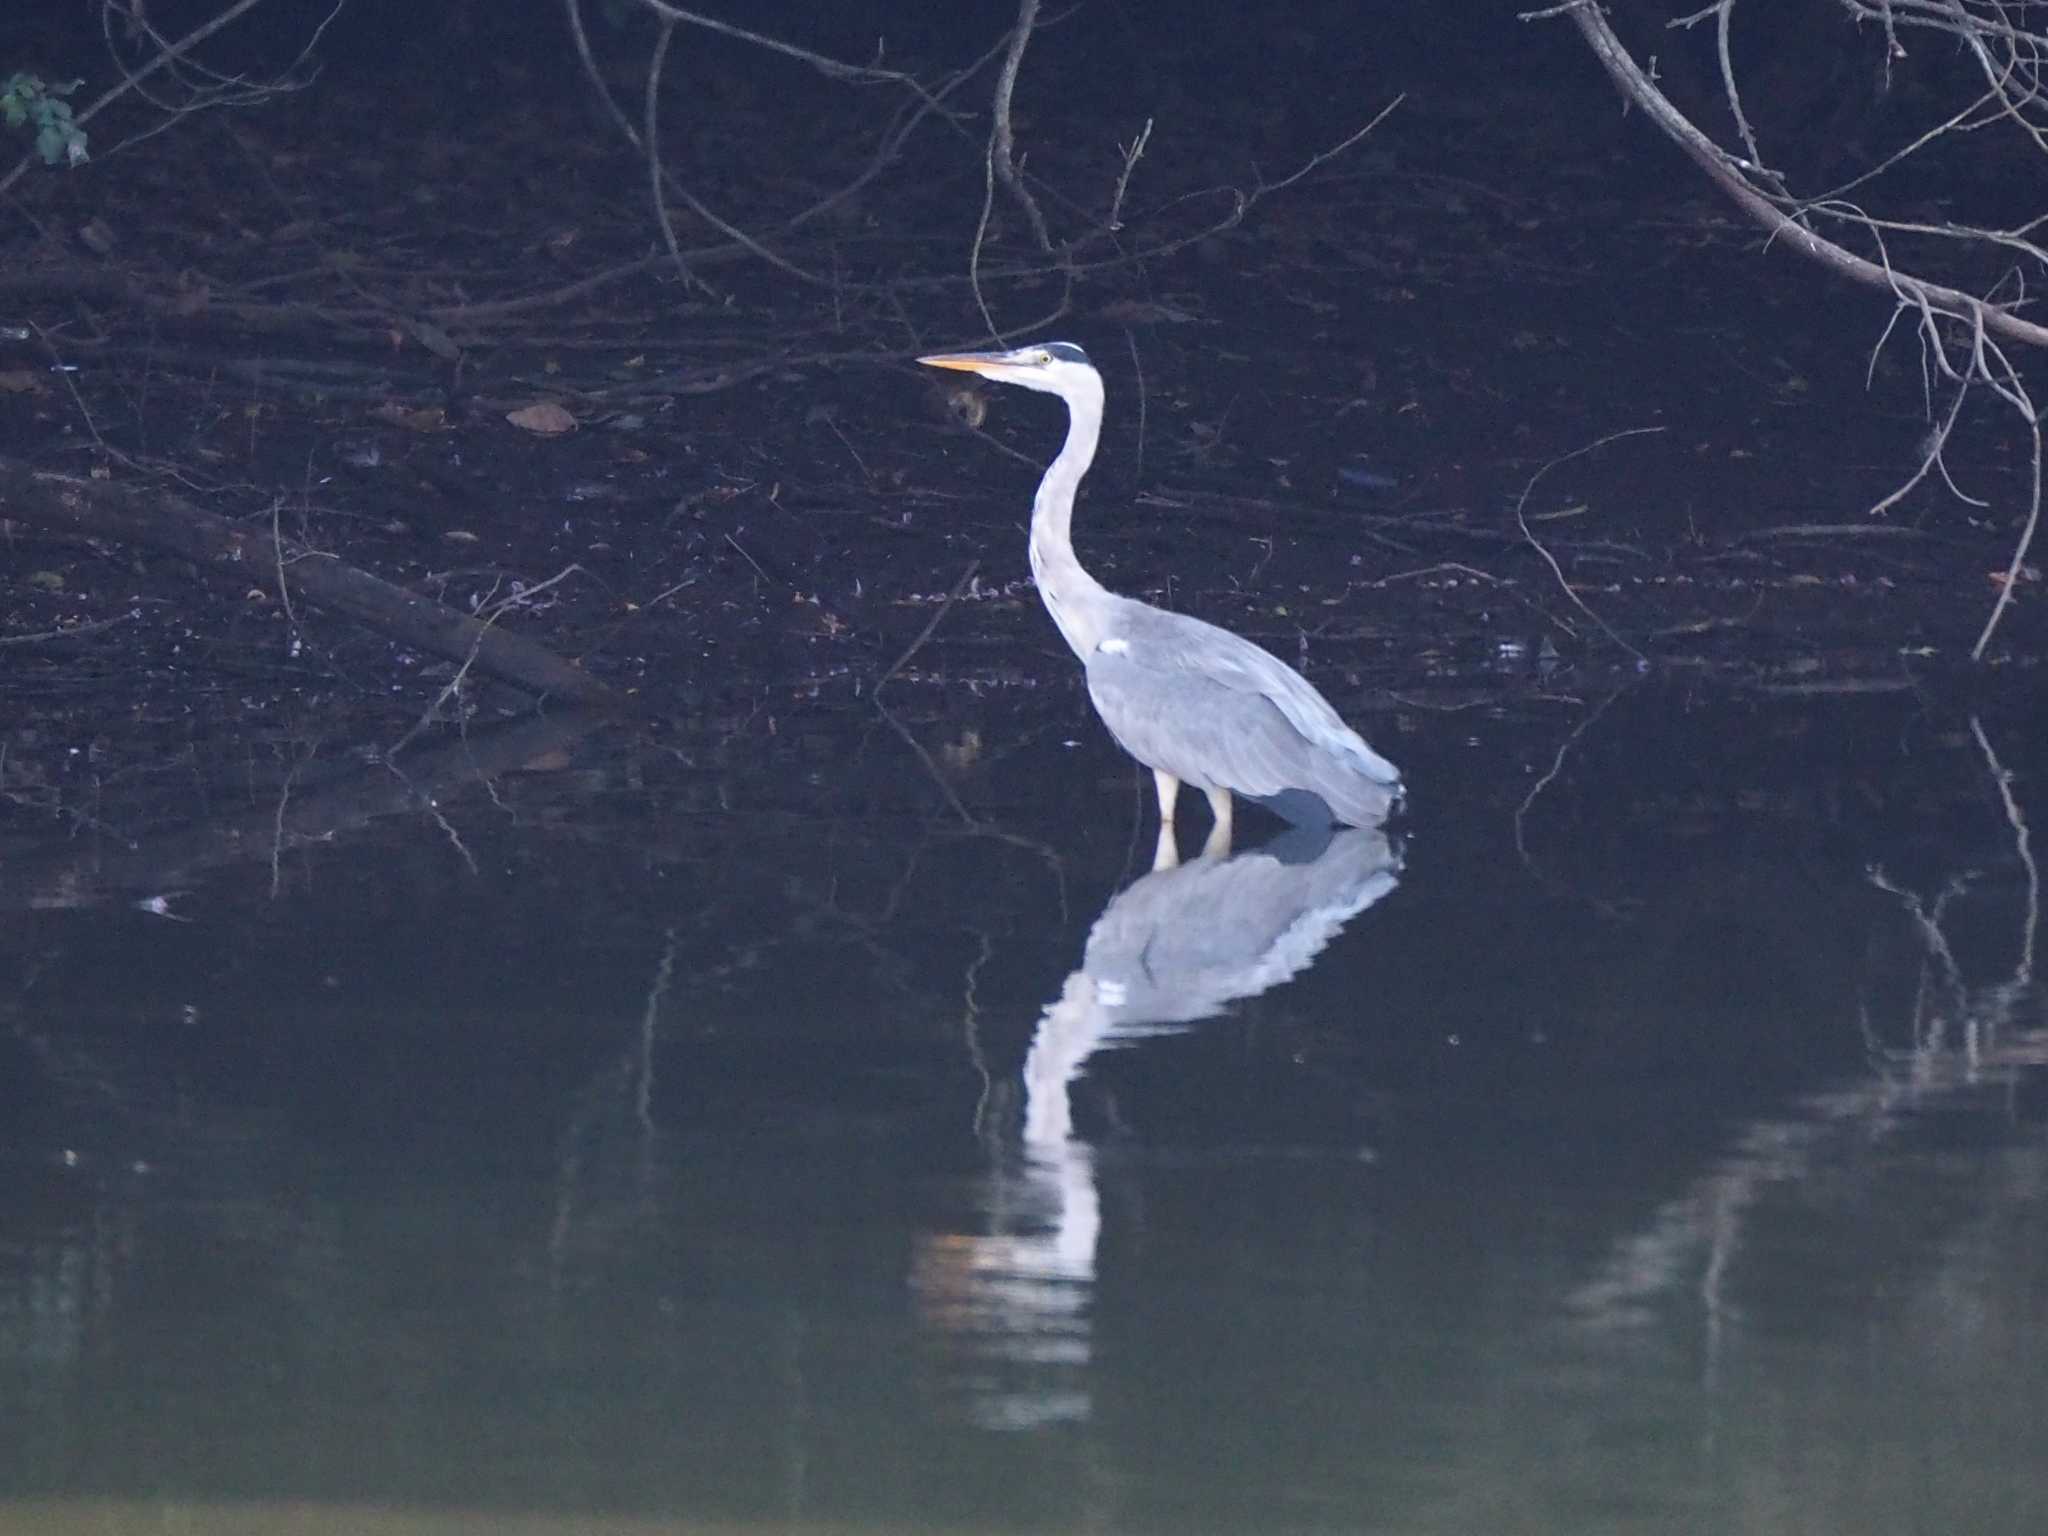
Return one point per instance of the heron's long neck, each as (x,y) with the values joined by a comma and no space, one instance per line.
(1077,602)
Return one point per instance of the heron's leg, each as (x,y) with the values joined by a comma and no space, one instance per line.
(1218,845)
(1169,792)
(1166,852)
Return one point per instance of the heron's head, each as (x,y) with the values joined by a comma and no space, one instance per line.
(1056,367)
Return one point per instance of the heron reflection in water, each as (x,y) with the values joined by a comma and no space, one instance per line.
(1014,1303)
(1196,704)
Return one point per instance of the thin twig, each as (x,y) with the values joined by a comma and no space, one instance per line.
(1521,505)
(1325,155)
(284,593)
(657,177)
(1123,181)
(735,543)
(651,109)
(835,69)
(2009,581)
(2022,845)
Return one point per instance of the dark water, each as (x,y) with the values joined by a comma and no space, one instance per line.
(817,1126)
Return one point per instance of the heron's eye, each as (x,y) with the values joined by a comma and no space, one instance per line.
(1041,357)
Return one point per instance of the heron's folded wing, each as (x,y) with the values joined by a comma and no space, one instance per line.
(1184,656)
(1203,728)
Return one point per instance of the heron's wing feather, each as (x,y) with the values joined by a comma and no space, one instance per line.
(1181,659)
(1212,733)
(1192,726)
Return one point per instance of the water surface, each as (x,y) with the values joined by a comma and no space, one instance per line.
(832,1127)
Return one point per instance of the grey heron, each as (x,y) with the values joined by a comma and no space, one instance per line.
(1196,704)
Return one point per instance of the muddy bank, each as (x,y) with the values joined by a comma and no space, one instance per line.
(432,345)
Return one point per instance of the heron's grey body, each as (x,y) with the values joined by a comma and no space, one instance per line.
(1194,703)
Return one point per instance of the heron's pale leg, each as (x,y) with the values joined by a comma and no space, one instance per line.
(1218,845)
(1166,852)
(1169,792)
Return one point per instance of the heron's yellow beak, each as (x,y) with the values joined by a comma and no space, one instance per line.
(963,362)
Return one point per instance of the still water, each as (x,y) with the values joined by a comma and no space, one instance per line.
(832,1123)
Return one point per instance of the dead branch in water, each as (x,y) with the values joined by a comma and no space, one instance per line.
(139,514)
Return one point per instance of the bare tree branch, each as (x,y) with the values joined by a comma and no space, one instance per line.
(1732,176)
(1962,335)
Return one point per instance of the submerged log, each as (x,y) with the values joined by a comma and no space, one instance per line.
(146,515)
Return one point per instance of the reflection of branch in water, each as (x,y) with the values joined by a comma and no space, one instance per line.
(931,768)
(431,809)
(650,1017)
(340,804)
(970,1027)
(966,817)
(610,1127)
(2022,844)
(603,1100)
(1706,1221)
(968,824)
(1985,1012)
(945,607)
(1535,792)
(875,929)
(1930,1025)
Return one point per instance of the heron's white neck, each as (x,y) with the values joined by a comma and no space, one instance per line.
(1078,603)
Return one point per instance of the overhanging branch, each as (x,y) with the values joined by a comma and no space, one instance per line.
(1731,175)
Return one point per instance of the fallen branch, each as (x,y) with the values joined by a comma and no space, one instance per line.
(68,632)
(139,514)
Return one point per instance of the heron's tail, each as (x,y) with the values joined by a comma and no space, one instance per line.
(1360,801)
(1339,796)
